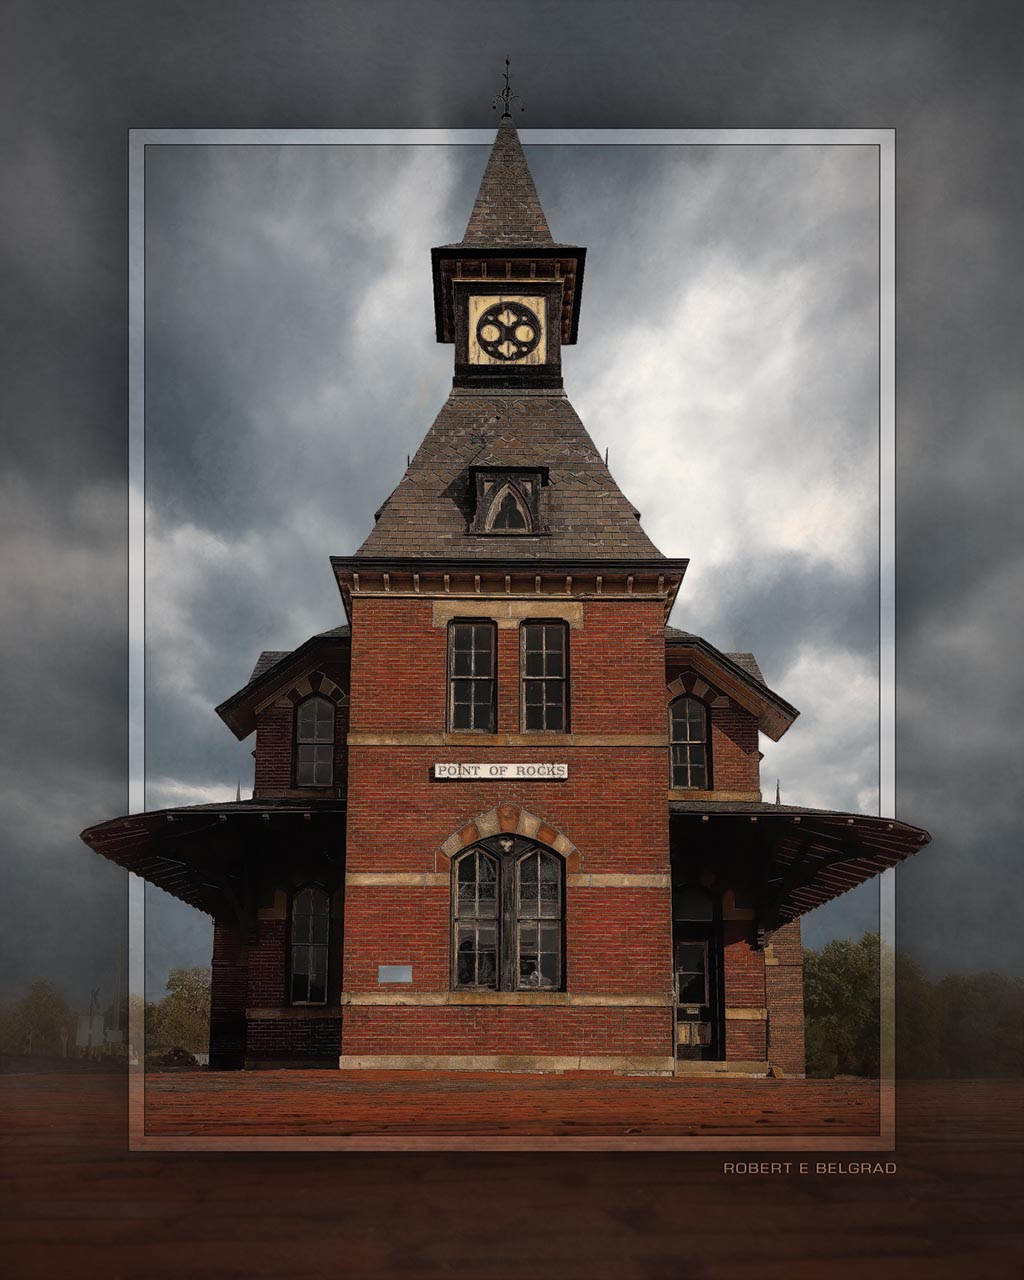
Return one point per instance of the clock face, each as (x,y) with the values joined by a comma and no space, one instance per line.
(506,330)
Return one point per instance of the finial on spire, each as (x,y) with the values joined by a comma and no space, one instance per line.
(777,799)
(506,98)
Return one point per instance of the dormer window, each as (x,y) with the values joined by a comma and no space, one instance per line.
(507,500)
(509,513)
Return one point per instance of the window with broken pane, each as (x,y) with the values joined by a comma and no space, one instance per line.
(508,917)
(314,743)
(471,676)
(310,927)
(476,920)
(545,685)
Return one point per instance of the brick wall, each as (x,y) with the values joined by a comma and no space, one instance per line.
(275,734)
(293,1039)
(266,984)
(735,763)
(459,1030)
(785,984)
(228,987)
(744,989)
(612,808)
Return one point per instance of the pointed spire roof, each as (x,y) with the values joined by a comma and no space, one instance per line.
(507,212)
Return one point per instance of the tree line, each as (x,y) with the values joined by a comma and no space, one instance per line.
(962,1025)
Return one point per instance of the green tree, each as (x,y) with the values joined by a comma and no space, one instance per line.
(36,1022)
(841,1006)
(181,1020)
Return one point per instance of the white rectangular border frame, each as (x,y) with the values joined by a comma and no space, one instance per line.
(885,141)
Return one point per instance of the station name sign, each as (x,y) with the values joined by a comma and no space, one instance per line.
(538,769)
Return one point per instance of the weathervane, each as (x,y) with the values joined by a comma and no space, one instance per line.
(506,98)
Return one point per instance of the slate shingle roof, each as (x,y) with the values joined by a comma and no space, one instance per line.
(507,211)
(587,514)
(271,657)
(746,661)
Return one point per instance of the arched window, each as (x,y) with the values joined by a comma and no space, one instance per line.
(508,917)
(476,920)
(314,743)
(538,922)
(310,925)
(509,514)
(688,733)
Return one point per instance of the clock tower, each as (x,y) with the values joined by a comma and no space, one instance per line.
(507,295)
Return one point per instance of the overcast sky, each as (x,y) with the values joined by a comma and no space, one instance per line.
(727,360)
(279,416)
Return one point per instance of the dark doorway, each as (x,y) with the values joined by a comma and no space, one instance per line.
(697,973)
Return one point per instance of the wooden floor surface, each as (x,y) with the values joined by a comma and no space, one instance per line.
(76,1202)
(328,1103)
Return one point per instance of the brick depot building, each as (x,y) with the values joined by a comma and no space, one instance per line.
(505,818)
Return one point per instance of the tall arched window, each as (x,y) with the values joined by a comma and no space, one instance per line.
(688,733)
(308,944)
(508,927)
(314,743)
(476,920)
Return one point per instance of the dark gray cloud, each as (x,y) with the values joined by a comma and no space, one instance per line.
(74,78)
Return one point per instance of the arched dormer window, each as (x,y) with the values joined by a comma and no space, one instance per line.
(508,917)
(310,921)
(509,513)
(691,753)
(314,742)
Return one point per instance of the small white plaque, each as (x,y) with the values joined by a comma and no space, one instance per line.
(394,973)
(540,770)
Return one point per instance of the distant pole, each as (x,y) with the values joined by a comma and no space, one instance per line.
(238,791)
(777,800)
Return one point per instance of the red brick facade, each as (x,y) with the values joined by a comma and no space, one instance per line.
(630,871)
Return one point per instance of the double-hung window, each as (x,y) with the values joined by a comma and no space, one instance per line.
(314,743)
(471,676)
(688,733)
(545,677)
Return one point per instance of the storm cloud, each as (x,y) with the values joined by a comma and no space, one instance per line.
(724,360)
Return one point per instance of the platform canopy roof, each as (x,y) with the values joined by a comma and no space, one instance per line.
(201,854)
(805,857)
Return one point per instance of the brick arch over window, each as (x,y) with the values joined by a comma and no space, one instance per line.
(689,682)
(516,821)
(313,682)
